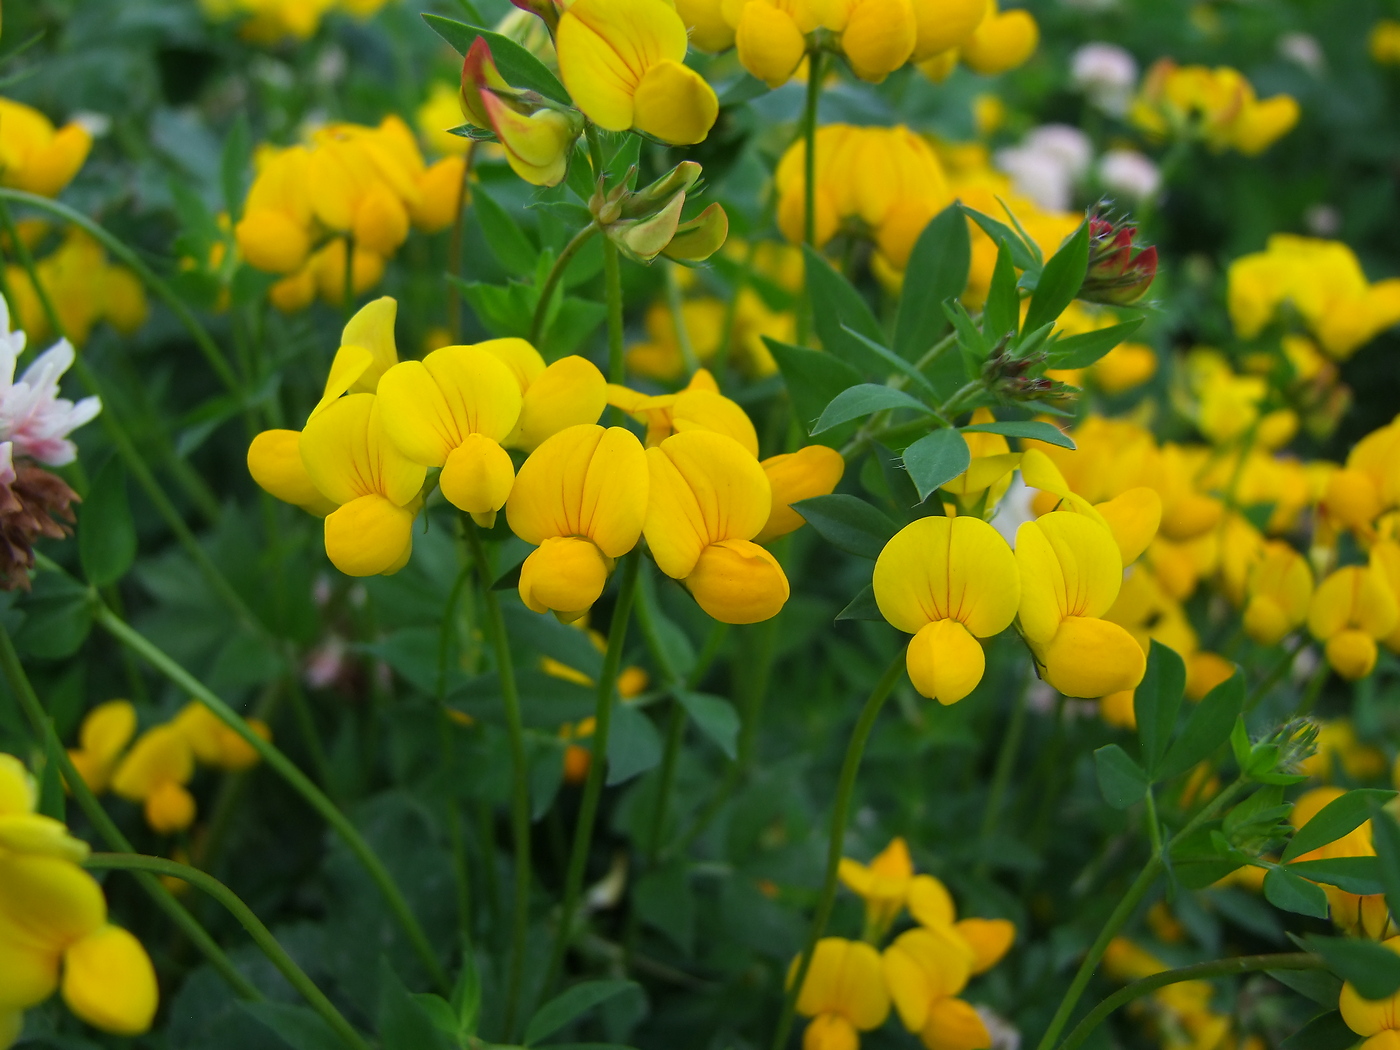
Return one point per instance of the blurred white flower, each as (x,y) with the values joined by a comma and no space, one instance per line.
(325,663)
(1106,73)
(1323,220)
(1304,50)
(1005,1035)
(1014,510)
(1128,173)
(33,418)
(7,464)
(95,124)
(1048,164)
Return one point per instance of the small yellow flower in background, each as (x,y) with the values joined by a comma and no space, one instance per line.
(844,994)
(1071,571)
(581,499)
(814,470)
(1368,485)
(709,499)
(948,582)
(1180,1008)
(102,737)
(82,285)
(883,884)
(274,232)
(54,933)
(213,742)
(1338,748)
(1002,41)
(577,757)
(1280,589)
(1217,105)
(269,22)
(1385,559)
(944,24)
(1384,42)
(622,62)
(1361,916)
(1351,610)
(440,112)
(705,20)
(34,155)
(154,772)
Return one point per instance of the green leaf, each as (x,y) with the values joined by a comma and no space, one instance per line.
(936,459)
(1208,727)
(1339,817)
(1373,969)
(665,899)
(1081,351)
(1002,314)
(1317,985)
(466,993)
(813,378)
(1239,743)
(299,1027)
(1030,429)
(937,272)
(836,307)
(1157,701)
(970,337)
(505,311)
(570,325)
(106,533)
(893,360)
(552,638)
(1002,234)
(862,607)
(848,523)
(1325,1032)
(233,164)
(1060,280)
(1360,875)
(634,745)
(715,717)
(519,68)
(862,400)
(1385,836)
(438,1011)
(1121,780)
(504,236)
(573,1003)
(1285,890)
(57,617)
(403,1023)
(546,777)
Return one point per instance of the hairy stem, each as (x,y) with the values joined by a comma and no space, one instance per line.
(556,274)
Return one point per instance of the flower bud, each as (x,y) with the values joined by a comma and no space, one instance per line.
(701,237)
(1118,274)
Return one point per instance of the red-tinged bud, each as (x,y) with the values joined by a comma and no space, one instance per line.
(1118,274)
(545,9)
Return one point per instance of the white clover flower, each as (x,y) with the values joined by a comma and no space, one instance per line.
(34,420)
(1047,166)
(1128,173)
(1106,73)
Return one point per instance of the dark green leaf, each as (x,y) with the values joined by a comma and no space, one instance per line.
(1317,985)
(1030,429)
(862,400)
(504,236)
(848,523)
(233,164)
(106,533)
(1081,351)
(716,718)
(1339,817)
(1385,836)
(1060,280)
(1000,233)
(57,617)
(665,899)
(519,68)
(1239,743)
(1002,314)
(439,1012)
(299,1027)
(1157,701)
(1208,727)
(1373,969)
(893,360)
(1360,875)
(970,337)
(1325,1032)
(403,1023)
(862,607)
(936,459)
(836,307)
(1121,780)
(1285,890)
(466,993)
(813,378)
(552,638)
(573,1003)
(634,746)
(937,272)
(546,778)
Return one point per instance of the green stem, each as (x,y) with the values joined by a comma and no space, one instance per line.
(298,780)
(261,935)
(809,181)
(757,679)
(1197,972)
(845,789)
(163,291)
(677,307)
(520,781)
(675,736)
(1001,778)
(23,691)
(556,274)
(1270,680)
(612,277)
(593,786)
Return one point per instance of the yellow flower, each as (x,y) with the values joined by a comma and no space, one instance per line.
(103,736)
(213,742)
(876,36)
(440,112)
(581,498)
(566,393)
(1071,571)
(771,35)
(844,994)
(884,884)
(1351,610)
(943,24)
(54,931)
(814,470)
(623,64)
(1384,42)
(352,462)
(948,582)
(1003,40)
(1280,588)
(274,461)
(700,406)
(154,773)
(709,499)
(36,157)
(274,232)
(1385,559)
(84,288)
(1217,105)
(704,19)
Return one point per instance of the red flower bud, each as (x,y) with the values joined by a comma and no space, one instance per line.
(1118,275)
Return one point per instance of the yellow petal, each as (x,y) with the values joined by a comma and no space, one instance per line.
(606,47)
(1069,566)
(48,902)
(109,982)
(1001,42)
(430,407)
(942,24)
(565,574)
(990,940)
(845,978)
(169,808)
(830,1032)
(770,44)
(369,535)
(939,568)
(107,729)
(274,461)
(944,661)
(568,393)
(736,581)
(478,476)
(160,754)
(1352,653)
(700,409)
(18,792)
(674,104)
(1133,518)
(38,835)
(347,454)
(953,1024)
(922,966)
(811,471)
(519,356)
(879,37)
(372,328)
(930,902)
(1089,657)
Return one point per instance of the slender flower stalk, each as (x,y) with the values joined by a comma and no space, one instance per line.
(261,935)
(840,814)
(809,183)
(555,275)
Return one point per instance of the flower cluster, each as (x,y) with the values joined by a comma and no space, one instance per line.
(270,22)
(850,985)
(157,769)
(81,284)
(349,189)
(34,155)
(583,496)
(54,932)
(1218,106)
